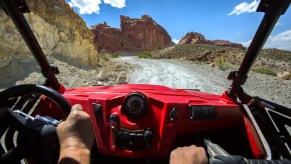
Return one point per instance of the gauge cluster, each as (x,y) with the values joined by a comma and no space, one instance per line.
(135,105)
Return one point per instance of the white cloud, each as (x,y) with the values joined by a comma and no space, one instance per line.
(176,41)
(86,6)
(115,3)
(247,43)
(278,24)
(280,41)
(245,8)
(93,6)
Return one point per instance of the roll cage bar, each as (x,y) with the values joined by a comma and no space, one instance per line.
(15,9)
(273,9)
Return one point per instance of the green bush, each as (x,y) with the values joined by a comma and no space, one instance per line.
(264,70)
(115,55)
(220,63)
(144,54)
(106,56)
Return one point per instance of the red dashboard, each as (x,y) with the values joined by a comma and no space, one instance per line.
(138,120)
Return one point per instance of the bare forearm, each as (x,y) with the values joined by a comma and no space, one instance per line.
(74,156)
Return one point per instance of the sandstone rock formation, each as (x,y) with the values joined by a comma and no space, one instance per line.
(197,38)
(226,43)
(193,38)
(59,30)
(134,35)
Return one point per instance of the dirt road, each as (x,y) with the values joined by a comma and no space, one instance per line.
(186,75)
(173,73)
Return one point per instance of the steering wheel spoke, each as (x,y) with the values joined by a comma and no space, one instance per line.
(37,137)
(12,156)
(14,121)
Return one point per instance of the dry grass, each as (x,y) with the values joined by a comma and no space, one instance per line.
(144,54)
(264,70)
(106,56)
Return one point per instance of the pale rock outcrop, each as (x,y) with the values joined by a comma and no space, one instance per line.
(58,29)
(286,75)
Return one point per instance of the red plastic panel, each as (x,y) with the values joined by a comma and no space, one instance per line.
(161,101)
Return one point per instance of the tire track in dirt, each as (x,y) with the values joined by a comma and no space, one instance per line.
(182,74)
(171,73)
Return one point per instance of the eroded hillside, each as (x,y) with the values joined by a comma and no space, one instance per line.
(60,32)
(277,60)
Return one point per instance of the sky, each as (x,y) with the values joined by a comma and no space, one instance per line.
(233,20)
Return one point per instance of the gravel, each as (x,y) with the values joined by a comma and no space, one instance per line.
(174,73)
(71,74)
(184,74)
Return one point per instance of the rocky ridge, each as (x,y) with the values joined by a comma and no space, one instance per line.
(277,60)
(59,31)
(197,38)
(134,35)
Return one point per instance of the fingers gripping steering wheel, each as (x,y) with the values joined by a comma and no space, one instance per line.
(37,136)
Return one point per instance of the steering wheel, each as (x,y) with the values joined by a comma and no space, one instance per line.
(37,137)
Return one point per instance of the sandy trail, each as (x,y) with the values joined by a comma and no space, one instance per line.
(186,75)
(171,73)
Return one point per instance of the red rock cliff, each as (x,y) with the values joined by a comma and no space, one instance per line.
(197,38)
(134,35)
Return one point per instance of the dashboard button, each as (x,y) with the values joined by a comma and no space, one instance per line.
(132,139)
(202,112)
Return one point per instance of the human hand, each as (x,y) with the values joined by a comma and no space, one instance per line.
(188,155)
(76,136)
(77,130)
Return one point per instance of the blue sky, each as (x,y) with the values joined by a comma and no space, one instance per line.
(233,20)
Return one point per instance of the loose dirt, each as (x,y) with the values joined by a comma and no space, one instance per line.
(174,73)
(27,71)
(184,74)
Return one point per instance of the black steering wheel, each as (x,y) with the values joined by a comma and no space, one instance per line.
(37,138)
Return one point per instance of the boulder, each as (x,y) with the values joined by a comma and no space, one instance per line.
(286,75)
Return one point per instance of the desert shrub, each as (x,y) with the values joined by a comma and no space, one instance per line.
(264,70)
(106,56)
(229,67)
(115,55)
(144,54)
(221,63)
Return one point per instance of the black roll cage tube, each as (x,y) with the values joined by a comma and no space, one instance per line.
(273,9)
(15,9)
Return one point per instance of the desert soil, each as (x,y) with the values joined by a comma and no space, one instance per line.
(71,75)
(174,73)
(184,74)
